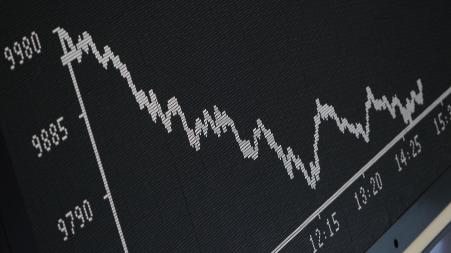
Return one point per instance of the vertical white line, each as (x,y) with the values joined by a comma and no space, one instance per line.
(108,195)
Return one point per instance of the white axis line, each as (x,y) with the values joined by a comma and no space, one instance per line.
(108,195)
(362,170)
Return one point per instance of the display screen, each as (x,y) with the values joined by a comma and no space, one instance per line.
(273,126)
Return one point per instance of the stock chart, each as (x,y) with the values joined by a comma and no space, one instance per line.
(277,126)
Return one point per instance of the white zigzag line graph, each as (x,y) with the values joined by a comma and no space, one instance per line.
(220,122)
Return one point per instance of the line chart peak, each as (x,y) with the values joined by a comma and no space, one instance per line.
(218,122)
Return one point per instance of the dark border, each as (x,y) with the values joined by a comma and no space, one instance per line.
(17,234)
(417,217)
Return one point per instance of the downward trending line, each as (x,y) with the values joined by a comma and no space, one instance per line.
(219,123)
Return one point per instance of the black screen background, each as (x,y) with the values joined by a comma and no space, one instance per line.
(254,60)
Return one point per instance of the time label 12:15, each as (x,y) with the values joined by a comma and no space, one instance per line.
(325,229)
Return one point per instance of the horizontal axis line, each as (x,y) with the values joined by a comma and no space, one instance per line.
(366,167)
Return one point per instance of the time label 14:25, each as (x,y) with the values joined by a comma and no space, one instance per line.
(410,150)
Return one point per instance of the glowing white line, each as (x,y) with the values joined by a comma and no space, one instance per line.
(363,169)
(220,122)
(108,195)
